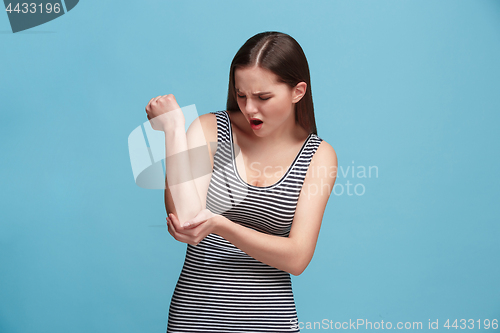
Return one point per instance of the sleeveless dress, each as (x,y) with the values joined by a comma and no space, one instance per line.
(221,288)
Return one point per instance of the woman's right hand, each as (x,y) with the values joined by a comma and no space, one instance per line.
(163,112)
(194,230)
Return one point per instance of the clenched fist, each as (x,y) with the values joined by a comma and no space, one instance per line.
(164,112)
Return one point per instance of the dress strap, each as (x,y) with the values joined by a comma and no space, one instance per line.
(223,123)
(299,169)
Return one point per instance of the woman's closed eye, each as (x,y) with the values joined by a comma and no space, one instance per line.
(262,98)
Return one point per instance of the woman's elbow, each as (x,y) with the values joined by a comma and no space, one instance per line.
(298,267)
(296,272)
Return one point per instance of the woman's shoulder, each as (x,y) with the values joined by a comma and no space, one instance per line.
(203,132)
(209,119)
(325,155)
(326,152)
(214,114)
(208,122)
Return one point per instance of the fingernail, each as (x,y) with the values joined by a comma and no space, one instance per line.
(187,224)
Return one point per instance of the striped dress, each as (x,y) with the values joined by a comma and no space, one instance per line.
(221,288)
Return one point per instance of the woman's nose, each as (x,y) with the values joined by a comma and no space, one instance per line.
(250,106)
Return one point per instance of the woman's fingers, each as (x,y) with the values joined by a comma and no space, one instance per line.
(169,227)
(194,230)
(172,229)
(181,237)
(200,218)
(148,106)
(192,224)
(177,236)
(157,109)
(151,101)
(174,222)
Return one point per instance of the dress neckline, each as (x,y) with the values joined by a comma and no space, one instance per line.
(233,158)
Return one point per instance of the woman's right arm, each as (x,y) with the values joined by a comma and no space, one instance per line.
(188,158)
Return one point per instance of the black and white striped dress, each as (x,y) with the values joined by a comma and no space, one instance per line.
(221,288)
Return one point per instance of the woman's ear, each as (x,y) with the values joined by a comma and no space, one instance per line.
(299,91)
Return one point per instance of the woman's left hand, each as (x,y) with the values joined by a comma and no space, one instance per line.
(194,230)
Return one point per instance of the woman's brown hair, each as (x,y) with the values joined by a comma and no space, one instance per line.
(282,55)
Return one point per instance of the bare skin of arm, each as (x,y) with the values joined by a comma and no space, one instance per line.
(185,187)
(291,254)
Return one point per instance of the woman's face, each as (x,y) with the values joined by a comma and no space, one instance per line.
(267,104)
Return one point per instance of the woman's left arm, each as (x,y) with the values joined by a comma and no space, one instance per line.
(293,253)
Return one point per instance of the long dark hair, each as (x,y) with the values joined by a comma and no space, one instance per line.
(282,55)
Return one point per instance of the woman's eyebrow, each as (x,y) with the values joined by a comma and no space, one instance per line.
(256,93)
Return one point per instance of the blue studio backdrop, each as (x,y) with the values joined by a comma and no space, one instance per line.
(405,90)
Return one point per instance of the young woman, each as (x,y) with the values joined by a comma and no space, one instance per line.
(249,208)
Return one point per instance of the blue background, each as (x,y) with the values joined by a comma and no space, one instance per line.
(410,87)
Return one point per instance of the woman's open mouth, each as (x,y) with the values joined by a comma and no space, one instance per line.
(256,123)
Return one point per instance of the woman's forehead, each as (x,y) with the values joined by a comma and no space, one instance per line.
(255,78)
